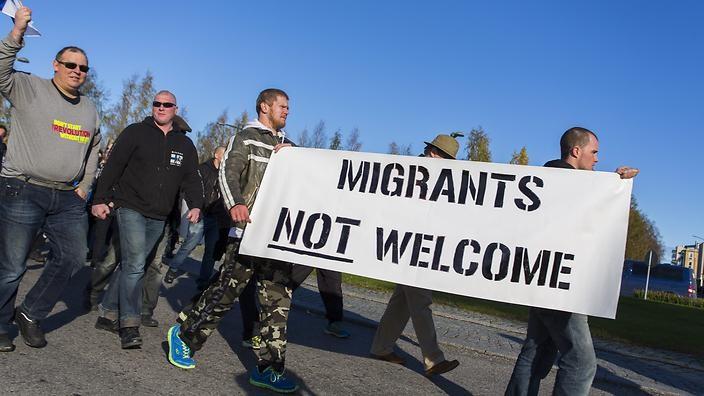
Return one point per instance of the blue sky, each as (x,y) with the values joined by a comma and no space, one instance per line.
(405,70)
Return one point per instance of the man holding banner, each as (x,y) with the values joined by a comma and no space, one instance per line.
(413,303)
(550,331)
(241,172)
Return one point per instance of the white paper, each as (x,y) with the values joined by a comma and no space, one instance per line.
(10,9)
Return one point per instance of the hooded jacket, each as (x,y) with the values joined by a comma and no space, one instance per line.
(146,170)
(245,161)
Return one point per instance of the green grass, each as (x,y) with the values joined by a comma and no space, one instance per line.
(638,322)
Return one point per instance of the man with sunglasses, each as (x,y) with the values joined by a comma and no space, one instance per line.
(50,164)
(413,303)
(150,163)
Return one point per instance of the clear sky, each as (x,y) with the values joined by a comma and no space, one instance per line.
(406,70)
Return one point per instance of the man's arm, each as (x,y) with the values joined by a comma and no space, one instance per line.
(115,166)
(192,186)
(231,169)
(90,166)
(9,47)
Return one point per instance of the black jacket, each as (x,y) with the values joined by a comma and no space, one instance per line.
(146,170)
(558,163)
(213,204)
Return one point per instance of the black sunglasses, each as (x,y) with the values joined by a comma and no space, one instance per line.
(71,66)
(167,105)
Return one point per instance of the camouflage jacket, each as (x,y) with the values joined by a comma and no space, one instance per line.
(245,161)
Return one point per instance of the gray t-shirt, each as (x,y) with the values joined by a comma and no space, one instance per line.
(52,139)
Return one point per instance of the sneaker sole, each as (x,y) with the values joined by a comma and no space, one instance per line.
(171,359)
(133,345)
(338,335)
(106,328)
(267,386)
(7,348)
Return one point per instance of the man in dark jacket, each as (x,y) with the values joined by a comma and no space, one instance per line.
(550,331)
(214,225)
(150,162)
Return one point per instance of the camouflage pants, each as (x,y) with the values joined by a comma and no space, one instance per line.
(274,294)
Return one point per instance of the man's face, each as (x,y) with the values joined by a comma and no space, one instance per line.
(163,115)
(71,78)
(2,133)
(587,155)
(277,112)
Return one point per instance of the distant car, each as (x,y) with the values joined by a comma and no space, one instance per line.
(663,277)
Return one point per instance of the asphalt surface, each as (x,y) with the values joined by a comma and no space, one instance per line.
(81,360)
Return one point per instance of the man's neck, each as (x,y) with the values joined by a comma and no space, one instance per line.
(166,128)
(71,93)
(267,124)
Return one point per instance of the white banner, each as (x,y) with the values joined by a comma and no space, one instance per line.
(543,237)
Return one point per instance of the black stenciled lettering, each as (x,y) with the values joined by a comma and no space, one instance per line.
(285,222)
(386,180)
(530,194)
(347,176)
(310,227)
(376,173)
(391,243)
(419,248)
(345,234)
(439,242)
(421,183)
(502,178)
(489,258)
(556,261)
(459,257)
(477,191)
(565,270)
(444,186)
(521,260)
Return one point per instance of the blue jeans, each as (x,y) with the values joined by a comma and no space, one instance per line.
(212,234)
(195,234)
(549,332)
(25,209)
(123,298)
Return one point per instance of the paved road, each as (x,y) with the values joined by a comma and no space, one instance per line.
(81,360)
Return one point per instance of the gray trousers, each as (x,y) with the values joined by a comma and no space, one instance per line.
(414,303)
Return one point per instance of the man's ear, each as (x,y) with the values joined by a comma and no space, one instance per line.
(574,152)
(55,64)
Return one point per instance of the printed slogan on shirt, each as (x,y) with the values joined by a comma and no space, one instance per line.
(70,131)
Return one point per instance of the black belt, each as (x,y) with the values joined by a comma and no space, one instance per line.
(49,184)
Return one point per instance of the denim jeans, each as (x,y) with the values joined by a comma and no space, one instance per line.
(549,332)
(24,210)
(195,234)
(123,298)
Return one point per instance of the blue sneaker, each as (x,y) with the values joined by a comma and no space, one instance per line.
(179,352)
(336,329)
(270,379)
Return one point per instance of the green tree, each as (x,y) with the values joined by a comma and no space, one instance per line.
(218,133)
(478,146)
(520,158)
(94,89)
(336,140)
(643,236)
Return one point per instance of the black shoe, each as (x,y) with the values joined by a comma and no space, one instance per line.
(106,324)
(30,330)
(6,344)
(171,274)
(149,321)
(130,338)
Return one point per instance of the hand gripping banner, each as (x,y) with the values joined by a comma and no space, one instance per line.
(543,237)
